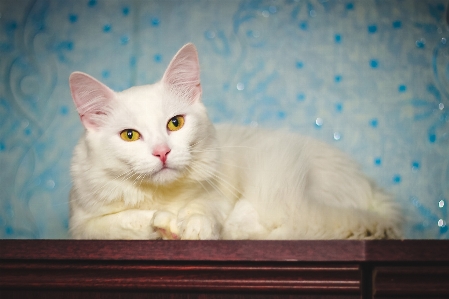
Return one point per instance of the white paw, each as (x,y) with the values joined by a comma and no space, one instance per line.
(198,227)
(166,224)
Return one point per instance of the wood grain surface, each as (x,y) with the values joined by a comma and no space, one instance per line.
(223,269)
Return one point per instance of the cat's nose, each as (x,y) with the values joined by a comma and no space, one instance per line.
(162,152)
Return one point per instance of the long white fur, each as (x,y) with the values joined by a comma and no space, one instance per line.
(223,182)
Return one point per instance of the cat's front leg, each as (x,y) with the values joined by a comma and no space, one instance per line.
(129,224)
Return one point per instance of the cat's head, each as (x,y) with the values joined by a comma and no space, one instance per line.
(148,134)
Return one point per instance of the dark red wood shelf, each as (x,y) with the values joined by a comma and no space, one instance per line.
(224,269)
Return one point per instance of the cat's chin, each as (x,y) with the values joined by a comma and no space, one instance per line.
(165,175)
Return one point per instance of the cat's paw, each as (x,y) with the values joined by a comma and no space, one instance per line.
(166,224)
(375,228)
(198,227)
(385,230)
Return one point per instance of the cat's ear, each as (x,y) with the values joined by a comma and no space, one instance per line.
(91,98)
(183,74)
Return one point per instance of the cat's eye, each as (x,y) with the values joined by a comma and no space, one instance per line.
(175,123)
(130,135)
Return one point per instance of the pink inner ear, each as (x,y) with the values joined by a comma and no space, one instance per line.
(91,98)
(183,73)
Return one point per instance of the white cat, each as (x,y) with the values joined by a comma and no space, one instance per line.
(151,165)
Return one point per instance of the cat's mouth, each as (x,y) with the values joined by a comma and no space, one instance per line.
(165,174)
(163,168)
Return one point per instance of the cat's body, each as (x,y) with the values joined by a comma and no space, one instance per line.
(182,178)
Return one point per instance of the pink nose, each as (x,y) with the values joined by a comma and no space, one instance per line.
(162,152)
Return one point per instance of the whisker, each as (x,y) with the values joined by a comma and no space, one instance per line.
(189,171)
(230,164)
(220,176)
(219,148)
(196,143)
(125,176)
(137,178)
(213,185)
(142,179)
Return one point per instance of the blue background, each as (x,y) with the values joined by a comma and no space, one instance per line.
(370,77)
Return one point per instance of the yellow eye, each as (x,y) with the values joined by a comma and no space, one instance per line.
(130,135)
(175,123)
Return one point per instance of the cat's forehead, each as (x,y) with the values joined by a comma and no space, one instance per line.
(153,98)
(143,93)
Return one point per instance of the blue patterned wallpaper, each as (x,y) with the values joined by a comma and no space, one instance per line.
(370,77)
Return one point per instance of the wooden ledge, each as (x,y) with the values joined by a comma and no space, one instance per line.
(179,269)
(226,251)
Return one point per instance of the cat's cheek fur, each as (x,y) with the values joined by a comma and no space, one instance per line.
(100,175)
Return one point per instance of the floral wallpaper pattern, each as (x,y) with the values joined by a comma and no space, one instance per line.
(370,77)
